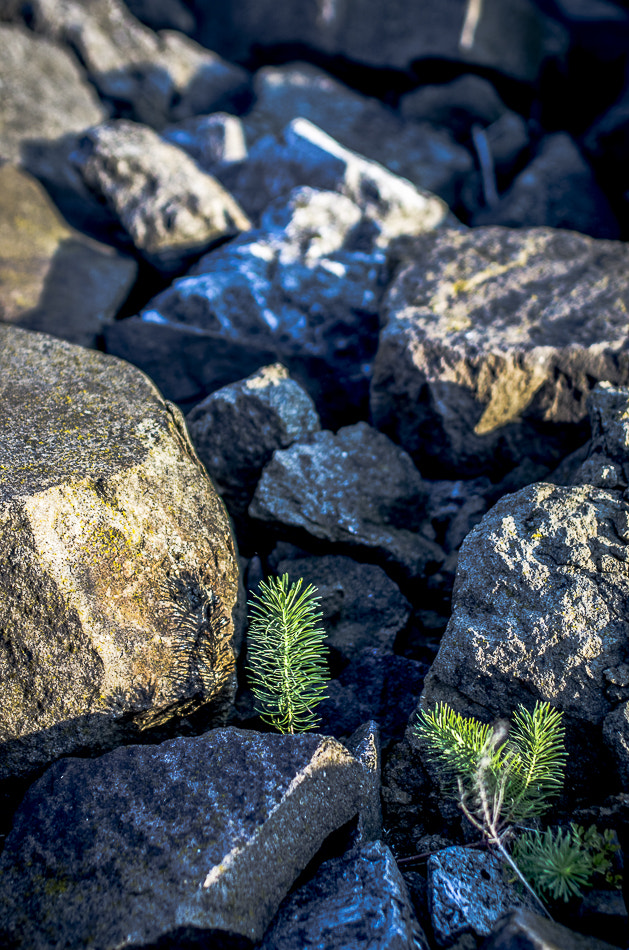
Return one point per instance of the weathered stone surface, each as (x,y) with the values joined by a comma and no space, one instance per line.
(467,892)
(525,930)
(364,745)
(362,607)
(119,575)
(163,14)
(170,208)
(538,611)
(557,189)
(237,428)
(214,141)
(357,900)
(305,155)
(45,94)
(207,832)
(427,156)
(490,346)
(458,105)
(158,78)
(355,488)
(52,278)
(395,35)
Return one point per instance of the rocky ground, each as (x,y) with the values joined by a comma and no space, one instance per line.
(365,266)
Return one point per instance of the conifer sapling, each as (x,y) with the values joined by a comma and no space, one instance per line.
(287,669)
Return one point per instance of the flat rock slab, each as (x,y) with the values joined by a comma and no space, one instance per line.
(354,488)
(359,900)
(493,340)
(119,575)
(207,832)
(52,278)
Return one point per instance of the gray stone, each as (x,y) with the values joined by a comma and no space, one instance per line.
(490,347)
(454,508)
(354,901)
(507,137)
(537,610)
(468,892)
(169,207)
(606,461)
(364,745)
(215,141)
(119,572)
(428,157)
(320,487)
(557,189)
(207,832)
(362,607)
(237,428)
(159,78)
(163,14)
(458,105)
(52,278)
(525,930)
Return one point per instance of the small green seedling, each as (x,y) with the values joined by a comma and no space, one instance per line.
(287,668)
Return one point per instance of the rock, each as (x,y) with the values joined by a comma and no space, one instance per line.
(163,14)
(362,607)
(467,891)
(351,901)
(215,142)
(170,208)
(52,278)
(607,139)
(428,157)
(457,105)
(454,508)
(605,464)
(119,571)
(364,745)
(305,155)
(397,35)
(537,612)
(125,850)
(319,486)
(557,189)
(524,930)
(157,78)
(508,139)
(237,428)
(482,365)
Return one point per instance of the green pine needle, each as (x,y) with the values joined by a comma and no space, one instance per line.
(287,668)
(556,863)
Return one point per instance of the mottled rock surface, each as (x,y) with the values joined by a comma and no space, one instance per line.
(525,930)
(119,575)
(169,207)
(207,832)
(493,339)
(52,278)
(355,488)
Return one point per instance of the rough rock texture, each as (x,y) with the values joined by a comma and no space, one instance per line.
(364,745)
(355,488)
(214,141)
(538,612)
(493,339)
(45,94)
(52,278)
(558,190)
(207,832)
(354,901)
(158,78)
(427,156)
(396,35)
(119,575)
(237,428)
(170,208)
(525,930)
(362,607)
(467,892)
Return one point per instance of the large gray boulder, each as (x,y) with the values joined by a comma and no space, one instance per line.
(168,206)
(492,341)
(119,571)
(206,833)
(52,278)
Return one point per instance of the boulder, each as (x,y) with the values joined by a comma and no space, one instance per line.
(364,745)
(524,930)
(169,207)
(457,105)
(52,278)
(429,157)
(163,14)
(537,613)
(119,573)
(158,78)
(356,900)
(203,834)
(318,487)
(490,347)
(215,141)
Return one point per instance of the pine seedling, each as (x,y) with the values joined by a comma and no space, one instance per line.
(287,669)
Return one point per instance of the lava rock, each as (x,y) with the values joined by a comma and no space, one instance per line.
(117,562)
(364,745)
(525,930)
(457,105)
(215,141)
(207,832)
